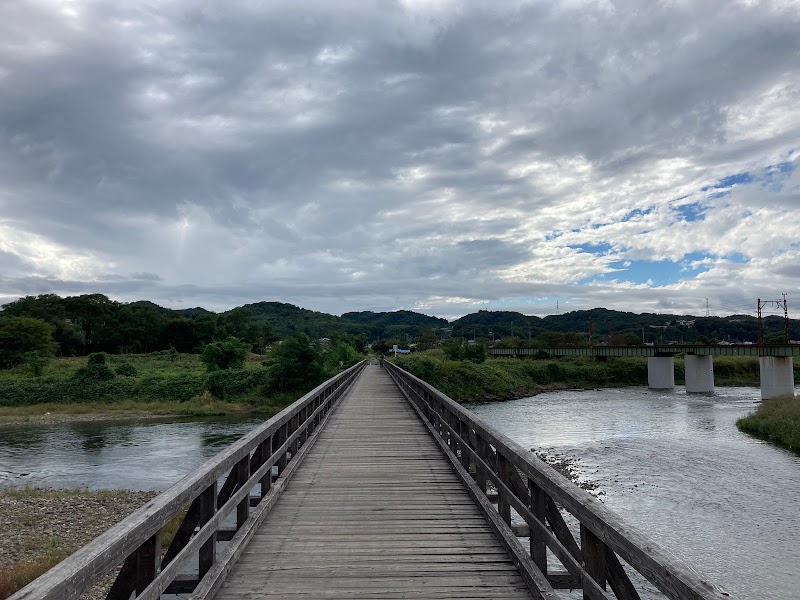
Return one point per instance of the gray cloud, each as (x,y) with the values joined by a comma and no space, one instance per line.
(364,155)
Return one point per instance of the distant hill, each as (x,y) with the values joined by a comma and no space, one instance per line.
(395,324)
(171,312)
(287,319)
(93,322)
(656,327)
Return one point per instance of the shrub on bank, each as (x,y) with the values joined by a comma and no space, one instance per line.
(777,420)
(233,384)
(503,378)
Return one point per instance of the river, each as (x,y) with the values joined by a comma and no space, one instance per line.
(672,464)
(675,465)
(135,455)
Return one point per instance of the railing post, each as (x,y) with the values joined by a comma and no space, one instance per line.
(594,557)
(208,507)
(265,450)
(242,475)
(479,468)
(463,432)
(148,559)
(537,504)
(278,441)
(293,425)
(504,474)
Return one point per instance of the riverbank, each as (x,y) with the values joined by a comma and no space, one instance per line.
(202,406)
(42,527)
(777,420)
(509,379)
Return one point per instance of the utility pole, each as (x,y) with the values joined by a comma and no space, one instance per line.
(590,331)
(785,320)
(707,311)
(760,326)
(608,322)
(557,311)
(779,304)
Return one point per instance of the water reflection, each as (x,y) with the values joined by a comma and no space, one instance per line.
(140,455)
(676,466)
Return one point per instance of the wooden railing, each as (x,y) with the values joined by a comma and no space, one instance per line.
(497,470)
(253,472)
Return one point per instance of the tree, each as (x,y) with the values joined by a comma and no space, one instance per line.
(92,313)
(295,365)
(205,327)
(180,334)
(427,339)
(227,354)
(21,335)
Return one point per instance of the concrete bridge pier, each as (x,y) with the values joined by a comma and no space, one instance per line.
(777,376)
(661,372)
(699,373)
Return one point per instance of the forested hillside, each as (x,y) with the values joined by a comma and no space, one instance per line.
(90,323)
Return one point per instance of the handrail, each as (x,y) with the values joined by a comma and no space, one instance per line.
(135,542)
(535,491)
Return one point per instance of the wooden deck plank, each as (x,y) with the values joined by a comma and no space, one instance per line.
(374,511)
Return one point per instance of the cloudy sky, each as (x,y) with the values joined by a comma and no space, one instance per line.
(433,155)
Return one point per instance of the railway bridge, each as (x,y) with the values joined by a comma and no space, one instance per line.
(776,366)
(374,485)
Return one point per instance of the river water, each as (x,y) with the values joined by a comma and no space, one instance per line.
(135,455)
(672,464)
(675,466)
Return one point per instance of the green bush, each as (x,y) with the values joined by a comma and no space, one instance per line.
(227,354)
(232,384)
(92,373)
(96,358)
(126,370)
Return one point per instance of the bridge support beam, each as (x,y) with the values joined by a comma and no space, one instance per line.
(777,376)
(661,372)
(699,373)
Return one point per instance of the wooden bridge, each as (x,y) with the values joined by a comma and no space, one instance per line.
(374,485)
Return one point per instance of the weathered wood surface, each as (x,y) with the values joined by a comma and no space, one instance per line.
(374,511)
(533,490)
(245,464)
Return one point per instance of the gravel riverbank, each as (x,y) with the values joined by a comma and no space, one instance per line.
(42,526)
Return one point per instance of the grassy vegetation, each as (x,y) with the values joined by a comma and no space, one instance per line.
(777,421)
(16,576)
(499,379)
(166,383)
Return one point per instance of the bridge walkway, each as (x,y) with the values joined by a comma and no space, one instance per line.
(374,511)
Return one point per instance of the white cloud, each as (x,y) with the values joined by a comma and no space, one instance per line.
(442,155)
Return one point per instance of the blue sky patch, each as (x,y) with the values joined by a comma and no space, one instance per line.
(784,167)
(598,249)
(661,272)
(635,213)
(730,180)
(691,212)
(737,257)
